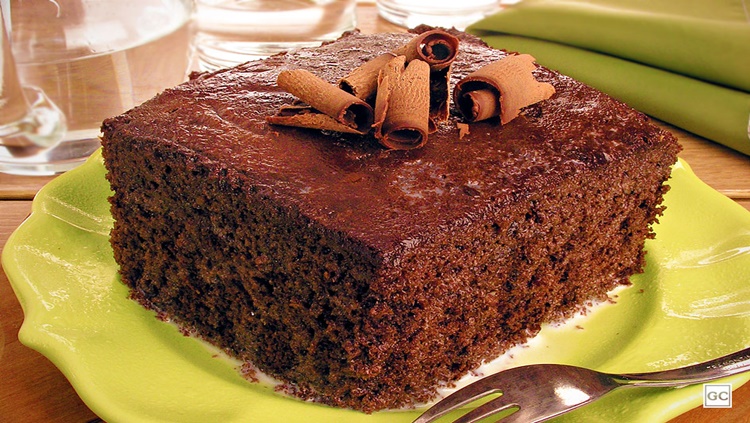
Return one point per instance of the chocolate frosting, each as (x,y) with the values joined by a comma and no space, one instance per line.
(350,181)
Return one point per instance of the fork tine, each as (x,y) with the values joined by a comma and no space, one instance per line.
(487,409)
(461,397)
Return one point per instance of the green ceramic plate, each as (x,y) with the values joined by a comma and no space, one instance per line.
(693,303)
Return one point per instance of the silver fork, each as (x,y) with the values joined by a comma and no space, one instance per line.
(540,392)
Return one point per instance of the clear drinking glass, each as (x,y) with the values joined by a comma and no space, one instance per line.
(443,13)
(29,121)
(93,60)
(235,31)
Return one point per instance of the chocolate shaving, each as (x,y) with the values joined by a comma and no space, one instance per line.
(436,47)
(328,99)
(402,104)
(501,88)
(362,82)
(463,130)
(304,116)
(440,95)
(387,78)
(410,91)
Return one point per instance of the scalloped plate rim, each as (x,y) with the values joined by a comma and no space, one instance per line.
(86,386)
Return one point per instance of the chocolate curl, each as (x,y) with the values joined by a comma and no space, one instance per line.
(387,80)
(343,107)
(436,47)
(362,82)
(304,116)
(440,95)
(402,104)
(501,88)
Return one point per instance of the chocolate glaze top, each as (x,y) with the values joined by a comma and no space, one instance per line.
(389,200)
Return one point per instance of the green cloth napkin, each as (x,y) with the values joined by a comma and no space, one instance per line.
(684,62)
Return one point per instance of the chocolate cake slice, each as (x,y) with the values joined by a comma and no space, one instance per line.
(365,277)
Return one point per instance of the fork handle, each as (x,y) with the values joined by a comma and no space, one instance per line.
(727,365)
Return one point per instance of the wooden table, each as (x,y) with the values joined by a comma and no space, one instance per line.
(33,390)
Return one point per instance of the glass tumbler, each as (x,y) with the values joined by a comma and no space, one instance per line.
(443,13)
(86,61)
(235,31)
